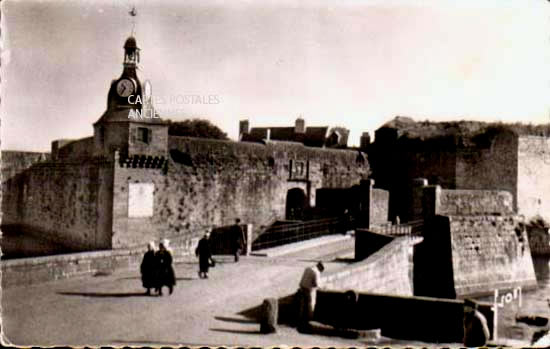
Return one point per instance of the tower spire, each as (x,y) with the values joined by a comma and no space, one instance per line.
(133,14)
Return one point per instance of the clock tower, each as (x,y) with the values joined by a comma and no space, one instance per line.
(127,87)
(130,124)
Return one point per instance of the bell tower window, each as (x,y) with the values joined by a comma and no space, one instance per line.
(131,52)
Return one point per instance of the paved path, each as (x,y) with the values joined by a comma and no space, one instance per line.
(113,310)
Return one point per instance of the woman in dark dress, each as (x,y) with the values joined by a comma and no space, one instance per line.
(205,255)
(165,274)
(148,268)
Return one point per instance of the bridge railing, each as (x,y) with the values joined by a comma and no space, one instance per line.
(409,228)
(288,232)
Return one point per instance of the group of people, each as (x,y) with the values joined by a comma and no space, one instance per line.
(157,272)
(204,251)
(156,268)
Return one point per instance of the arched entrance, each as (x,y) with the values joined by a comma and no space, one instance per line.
(296,202)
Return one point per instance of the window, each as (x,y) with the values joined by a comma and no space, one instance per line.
(298,170)
(144,135)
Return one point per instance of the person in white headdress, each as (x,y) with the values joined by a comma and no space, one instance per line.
(166,275)
(166,244)
(148,268)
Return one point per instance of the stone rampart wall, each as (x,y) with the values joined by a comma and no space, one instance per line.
(209,183)
(533,189)
(379,206)
(77,149)
(437,201)
(27,271)
(475,202)
(14,162)
(539,241)
(494,167)
(85,203)
(488,253)
(387,271)
(66,202)
(435,320)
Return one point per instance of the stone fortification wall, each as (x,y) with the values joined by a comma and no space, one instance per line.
(473,244)
(457,155)
(437,201)
(488,253)
(210,183)
(491,165)
(27,271)
(379,206)
(396,161)
(14,162)
(434,320)
(77,149)
(533,189)
(66,202)
(471,156)
(387,271)
(475,202)
(539,240)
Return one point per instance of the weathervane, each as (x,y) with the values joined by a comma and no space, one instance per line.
(133,13)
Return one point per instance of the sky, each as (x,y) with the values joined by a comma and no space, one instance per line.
(350,63)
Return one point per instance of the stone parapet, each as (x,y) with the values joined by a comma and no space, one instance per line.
(389,271)
(26,271)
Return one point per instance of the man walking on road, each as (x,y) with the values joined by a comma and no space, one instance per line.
(205,255)
(237,239)
(310,282)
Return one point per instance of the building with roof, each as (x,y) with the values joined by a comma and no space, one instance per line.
(311,136)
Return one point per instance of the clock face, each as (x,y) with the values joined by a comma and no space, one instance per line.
(125,87)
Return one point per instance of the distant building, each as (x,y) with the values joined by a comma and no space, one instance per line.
(318,136)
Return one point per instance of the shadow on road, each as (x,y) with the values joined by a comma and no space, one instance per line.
(230,319)
(152,343)
(287,311)
(139,278)
(287,315)
(236,331)
(105,295)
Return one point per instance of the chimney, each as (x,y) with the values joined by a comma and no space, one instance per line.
(300,126)
(243,127)
(365,141)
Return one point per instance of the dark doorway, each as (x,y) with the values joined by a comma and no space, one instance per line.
(296,203)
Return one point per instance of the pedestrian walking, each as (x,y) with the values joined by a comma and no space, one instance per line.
(148,268)
(165,271)
(205,255)
(346,222)
(476,331)
(237,239)
(310,282)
